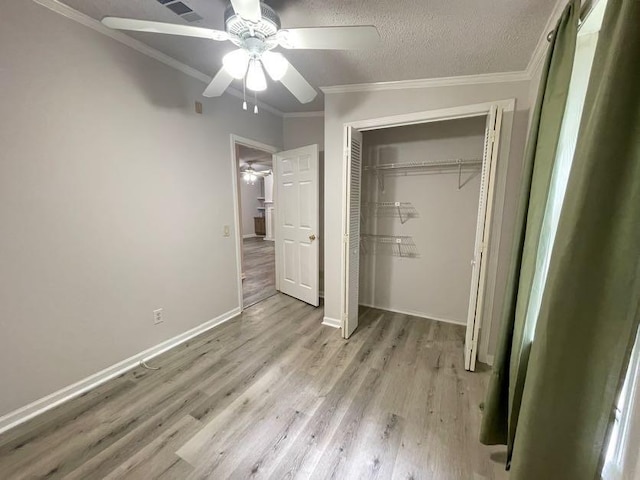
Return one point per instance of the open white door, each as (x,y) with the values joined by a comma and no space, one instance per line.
(297,223)
(485,207)
(351,233)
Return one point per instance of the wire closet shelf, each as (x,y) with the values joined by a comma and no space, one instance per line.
(407,168)
(402,210)
(394,245)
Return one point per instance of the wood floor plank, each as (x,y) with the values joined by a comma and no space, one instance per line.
(275,394)
(265,380)
(159,426)
(337,455)
(158,459)
(259,268)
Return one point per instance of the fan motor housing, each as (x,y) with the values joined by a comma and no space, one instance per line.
(268,25)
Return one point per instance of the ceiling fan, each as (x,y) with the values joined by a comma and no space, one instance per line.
(250,175)
(254,28)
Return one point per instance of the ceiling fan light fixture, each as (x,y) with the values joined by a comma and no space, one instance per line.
(255,29)
(275,64)
(236,63)
(250,176)
(256,80)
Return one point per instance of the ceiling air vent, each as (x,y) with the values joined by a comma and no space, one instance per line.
(178,8)
(181,9)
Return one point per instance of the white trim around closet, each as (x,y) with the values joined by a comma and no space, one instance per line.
(332,322)
(463,111)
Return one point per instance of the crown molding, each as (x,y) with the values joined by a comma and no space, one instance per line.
(304,114)
(79,17)
(503,77)
(518,76)
(72,14)
(541,47)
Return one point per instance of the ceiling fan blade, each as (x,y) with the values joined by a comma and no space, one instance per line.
(330,38)
(219,84)
(248,9)
(167,28)
(296,84)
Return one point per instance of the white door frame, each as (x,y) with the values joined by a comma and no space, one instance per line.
(428,116)
(247,142)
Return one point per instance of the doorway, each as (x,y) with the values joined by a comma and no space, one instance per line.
(252,163)
(389,250)
(277,221)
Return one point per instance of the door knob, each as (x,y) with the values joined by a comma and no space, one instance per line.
(312,237)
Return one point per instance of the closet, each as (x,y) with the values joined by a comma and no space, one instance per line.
(418,200)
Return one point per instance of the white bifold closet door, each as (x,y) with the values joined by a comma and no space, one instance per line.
(483,230)
(351,239)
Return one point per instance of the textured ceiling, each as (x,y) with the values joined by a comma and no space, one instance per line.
(419,38)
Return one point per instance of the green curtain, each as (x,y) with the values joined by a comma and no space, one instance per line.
(591,301)
(502,405)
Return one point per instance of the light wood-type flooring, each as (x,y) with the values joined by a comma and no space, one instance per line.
(274,394)
(259,267)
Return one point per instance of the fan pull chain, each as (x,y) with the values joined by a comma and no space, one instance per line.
(244,93)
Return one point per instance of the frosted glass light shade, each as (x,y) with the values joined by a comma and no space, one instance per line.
(256,80)
(275,64)
(250,177)
(236,62)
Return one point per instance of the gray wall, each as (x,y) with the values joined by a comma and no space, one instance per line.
(113,198)
(437,283)
(341,108)
(302,131)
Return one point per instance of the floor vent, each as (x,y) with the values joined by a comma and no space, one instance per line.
(181,9)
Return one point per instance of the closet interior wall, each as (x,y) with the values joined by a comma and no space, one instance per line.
(431,275)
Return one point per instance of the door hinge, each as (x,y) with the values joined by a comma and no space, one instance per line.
(492,136)
(346,238)
(346,153)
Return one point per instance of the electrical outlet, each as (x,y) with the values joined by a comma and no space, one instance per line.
(226,231)
(157,316)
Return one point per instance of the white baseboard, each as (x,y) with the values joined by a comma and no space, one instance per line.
(488,359)
(332,322)
(249,235)
(415,314)
(21,415)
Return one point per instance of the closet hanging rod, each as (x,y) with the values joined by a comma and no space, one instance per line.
(425,164)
